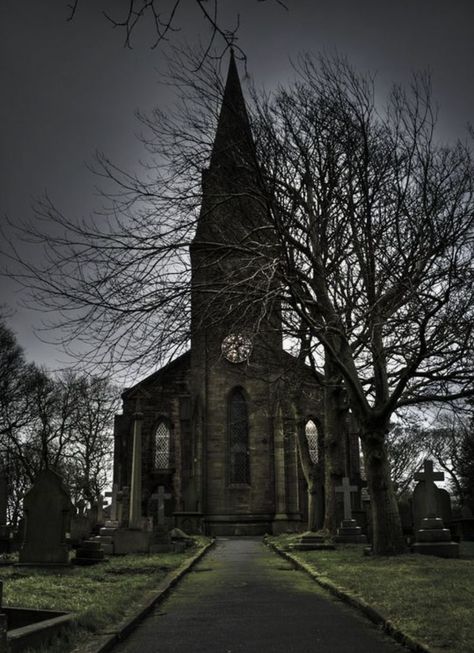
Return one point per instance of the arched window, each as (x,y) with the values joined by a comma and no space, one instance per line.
(239,468)
(161,446)
(311,433)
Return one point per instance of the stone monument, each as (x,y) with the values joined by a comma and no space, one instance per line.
(47,509)
(432,538)
(349,532)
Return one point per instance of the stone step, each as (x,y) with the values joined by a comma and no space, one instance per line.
(316,546)
(86,553)
(90,545)
(440,549)
(433,535)
(103,539)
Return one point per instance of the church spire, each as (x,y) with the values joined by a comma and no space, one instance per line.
(233,143)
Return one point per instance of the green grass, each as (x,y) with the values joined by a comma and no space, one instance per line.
(100,595)
(429,599)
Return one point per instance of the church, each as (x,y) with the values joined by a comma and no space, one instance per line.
(218,426)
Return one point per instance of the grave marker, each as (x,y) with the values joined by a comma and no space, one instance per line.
(349,531)
(160,497)
(47,522)
(347,489)
(428,476)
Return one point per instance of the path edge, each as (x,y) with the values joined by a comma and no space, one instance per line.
(355,602)
(118,633)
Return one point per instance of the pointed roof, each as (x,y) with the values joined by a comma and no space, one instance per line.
(233,143)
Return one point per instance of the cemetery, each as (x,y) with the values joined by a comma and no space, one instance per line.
(77,578)
(309,287)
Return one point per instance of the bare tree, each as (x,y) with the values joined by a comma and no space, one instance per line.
(89,455)
(406,451)
(63,423)
(375,223)
(165,18)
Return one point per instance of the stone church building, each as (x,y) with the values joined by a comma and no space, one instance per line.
(218,424)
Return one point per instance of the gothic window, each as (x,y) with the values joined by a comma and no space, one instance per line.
(161,451)
(239,468)
(311,433)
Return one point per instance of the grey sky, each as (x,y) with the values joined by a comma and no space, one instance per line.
(71,88)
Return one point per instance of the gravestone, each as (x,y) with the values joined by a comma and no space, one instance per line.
(100,509)
(349,531)
(463,525)
(157,506)
(405,510)
(3,624)
(90,552)
(113,495)
(445,510)
(441,501)
(3,496)
(47,508)
(432,538)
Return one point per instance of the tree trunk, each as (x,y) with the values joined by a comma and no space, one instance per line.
(386,525)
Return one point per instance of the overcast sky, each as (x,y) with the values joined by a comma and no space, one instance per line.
(70,88)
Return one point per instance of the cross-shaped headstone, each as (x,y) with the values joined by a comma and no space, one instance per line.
(160,497)
(101,502)
(113,496)
(346,488)
(428,476)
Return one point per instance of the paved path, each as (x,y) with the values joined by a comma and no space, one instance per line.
(243,598)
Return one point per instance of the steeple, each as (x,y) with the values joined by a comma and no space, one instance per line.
(233,143)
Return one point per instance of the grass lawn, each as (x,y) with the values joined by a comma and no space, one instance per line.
(430,599)
(100,595)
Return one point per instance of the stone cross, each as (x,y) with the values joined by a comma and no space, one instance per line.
(160,497)
(428,476)
(346,488)
(113,506)
(100,508)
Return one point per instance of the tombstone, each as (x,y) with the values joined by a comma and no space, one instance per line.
(157,506)
(462,526)
(3,496)
(349,531)
(100,509)
(443,501)
(3,624)
(80,528)
(438,499)
(6,532)
(405,510)
(432,538)
(6,539)
(47,509)
(90,552)
(113,495)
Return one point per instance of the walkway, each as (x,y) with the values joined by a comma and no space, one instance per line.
(242,597)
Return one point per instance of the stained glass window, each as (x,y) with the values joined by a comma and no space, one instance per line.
(238,439)
(161,454)
(311,433)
